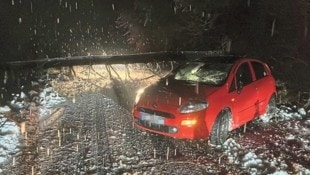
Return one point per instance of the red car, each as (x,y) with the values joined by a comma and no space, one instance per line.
(206,98)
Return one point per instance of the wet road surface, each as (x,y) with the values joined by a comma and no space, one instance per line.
(95,135)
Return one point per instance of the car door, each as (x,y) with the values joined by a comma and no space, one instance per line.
(243,95)
(264,84)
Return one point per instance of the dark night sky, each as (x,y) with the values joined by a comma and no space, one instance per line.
(32,29)
(273,31)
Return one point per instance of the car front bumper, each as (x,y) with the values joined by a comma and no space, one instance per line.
(182,126)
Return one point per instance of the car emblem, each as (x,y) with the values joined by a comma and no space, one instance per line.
(154,105)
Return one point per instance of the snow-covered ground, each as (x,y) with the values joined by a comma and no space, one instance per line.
(10,136)
(48,100)
(94,135)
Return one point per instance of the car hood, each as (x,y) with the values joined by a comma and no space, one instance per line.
(175,93)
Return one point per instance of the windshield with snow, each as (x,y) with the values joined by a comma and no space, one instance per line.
(207,73)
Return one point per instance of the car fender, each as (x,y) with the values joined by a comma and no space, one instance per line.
(215,108)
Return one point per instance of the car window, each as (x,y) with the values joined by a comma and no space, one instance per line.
(259,69)
(244,74)
(208,73)
(232,86)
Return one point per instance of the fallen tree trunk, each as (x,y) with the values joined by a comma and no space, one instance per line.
(109,59)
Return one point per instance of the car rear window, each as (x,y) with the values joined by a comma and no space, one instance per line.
(259,69)
(207,73)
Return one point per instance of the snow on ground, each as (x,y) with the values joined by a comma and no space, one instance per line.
(4,109)
(9,139)
(48,100)
(137,152)
(9,136)
(288,113)
(293,124)
(285,113)
(252,162)
(231,148)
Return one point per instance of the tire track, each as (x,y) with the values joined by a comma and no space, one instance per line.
(96,136)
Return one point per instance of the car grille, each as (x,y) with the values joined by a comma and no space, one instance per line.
(156,127)
(154,112)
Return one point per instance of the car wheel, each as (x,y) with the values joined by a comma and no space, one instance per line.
(220,128)
(271,107)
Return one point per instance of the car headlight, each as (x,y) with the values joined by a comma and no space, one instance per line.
(139,94)
(193,106)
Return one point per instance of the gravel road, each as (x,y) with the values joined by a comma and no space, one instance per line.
(95,135)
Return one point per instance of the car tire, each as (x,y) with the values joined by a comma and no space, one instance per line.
(271,107)
(220,128)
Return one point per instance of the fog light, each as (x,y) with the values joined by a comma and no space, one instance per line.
(173,130)
(188,122)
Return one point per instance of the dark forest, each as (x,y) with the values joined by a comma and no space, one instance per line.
(273,31)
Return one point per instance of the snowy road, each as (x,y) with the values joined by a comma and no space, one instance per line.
(96,136)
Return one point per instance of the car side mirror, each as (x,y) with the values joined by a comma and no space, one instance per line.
(239,87)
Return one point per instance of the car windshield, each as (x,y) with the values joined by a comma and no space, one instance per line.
(207,73)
